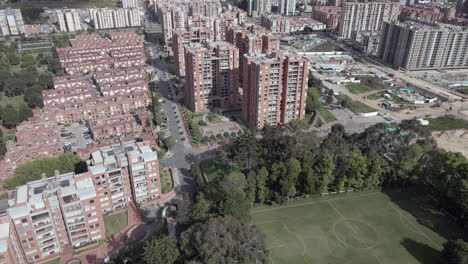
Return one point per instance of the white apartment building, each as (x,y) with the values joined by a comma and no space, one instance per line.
(259,7)
(115,18)
(130,3)
(287,7)
(69,20)
(11,22)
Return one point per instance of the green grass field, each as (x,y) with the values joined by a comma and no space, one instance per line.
(115,222)
(214,171)
(356,228)
(327,115)
(324,47)
(446,123)
(358,88)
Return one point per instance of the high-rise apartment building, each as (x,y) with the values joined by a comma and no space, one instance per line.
(172,18)
(69,20)
(259,7)
(130,3)
(11,22)
(287,7)
(275,88)
(415,45)
(66,210)
(115,18)
(462,7)
(365,16)
(181,38)
(211,75)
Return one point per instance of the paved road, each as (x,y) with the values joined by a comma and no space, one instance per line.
(182,155)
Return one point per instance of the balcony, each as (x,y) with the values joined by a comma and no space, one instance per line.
(77,227)
(73,221)
(51,247)
(78,233)
(80,239)
(47,242)
(42,224)
(44,230)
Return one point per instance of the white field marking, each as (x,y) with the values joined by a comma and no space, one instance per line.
(422,232)
(309,203)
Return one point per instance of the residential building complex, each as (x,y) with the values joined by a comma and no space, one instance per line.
(462,7)
(282,24)
(66,210)
(91,52)
(181,38)
(361,16)
(426,13)
(130,3)
(329,15)
(11,22)
(103,18)
(68,20)
(211,72)
(414,45)
(275,88)
(287,7)
(259,7)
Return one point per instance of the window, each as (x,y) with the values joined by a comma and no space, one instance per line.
(91,202)
(24,220)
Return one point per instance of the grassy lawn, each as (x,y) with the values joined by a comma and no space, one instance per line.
(327,116)
(214,171)
(463,90)
(363,227)
(358,88)
(166,181)
(446,123)
(377,95)
(54,261)
(17,101)
(358,107)
(60,4)
(324,47)
(115,222)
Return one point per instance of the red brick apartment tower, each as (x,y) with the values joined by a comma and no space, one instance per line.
(10,247)
(275,90)
(211,72)
(181,38)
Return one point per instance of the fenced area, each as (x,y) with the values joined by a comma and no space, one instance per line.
(36,47)
(232,128)
(356,227)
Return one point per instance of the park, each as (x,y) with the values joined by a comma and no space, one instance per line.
(362,227)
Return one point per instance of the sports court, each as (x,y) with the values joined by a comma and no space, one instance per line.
(220,128)
(362,227)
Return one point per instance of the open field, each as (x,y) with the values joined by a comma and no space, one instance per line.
(166,181)
(446,123)
(61,4)
(364,227)
(324,47)
(327,115)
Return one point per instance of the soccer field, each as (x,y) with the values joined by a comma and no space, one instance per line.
(364,227)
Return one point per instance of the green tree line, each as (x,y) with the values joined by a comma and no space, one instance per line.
(32,170)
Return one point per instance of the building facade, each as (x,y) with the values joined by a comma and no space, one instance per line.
(287,7)
(364,16)
(11,22)
(211,72)
(275,89)
(329,15)
(68,20)
(414,45)
(67,210)
(103,18)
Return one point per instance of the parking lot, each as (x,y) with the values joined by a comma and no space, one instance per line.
(75,136)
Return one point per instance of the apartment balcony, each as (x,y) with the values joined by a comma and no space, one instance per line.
(115,180)
(118,195)
(49,248)
(39,217)
(138,178)
(42,224)
(74,221)
(44,236)
(44,230)
(77,227)
(47,242)
(78,233)
(80,239)
(72,208)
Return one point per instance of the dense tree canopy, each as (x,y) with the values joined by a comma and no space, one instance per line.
(160,249)
(223,240)
(32,170)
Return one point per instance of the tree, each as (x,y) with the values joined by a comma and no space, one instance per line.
(329,99)
(169,142)
(32,170)
(28,60)
(377,168)
(455,252)
(245,152)
(160,249)
(325,168)
(250,191)
(407,163)
(9,116)
(356,169)
(262,190)
(24,112)
(223,240)
(311,182)
(290,178)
